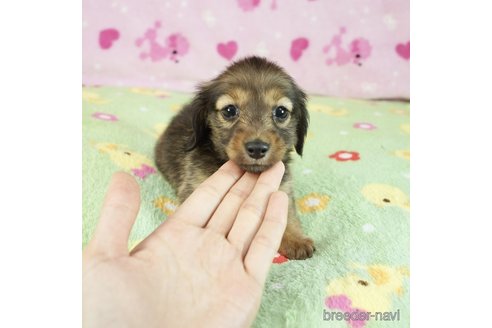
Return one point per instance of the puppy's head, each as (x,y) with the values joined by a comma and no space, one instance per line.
(253,113)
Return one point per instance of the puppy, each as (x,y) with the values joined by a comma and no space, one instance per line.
(254,114)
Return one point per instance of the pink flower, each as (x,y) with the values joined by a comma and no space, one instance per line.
(105,117)
(143,171)
(364,126)
(343,156)
(343,303)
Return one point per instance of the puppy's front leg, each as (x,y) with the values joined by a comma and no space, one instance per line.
(295,245)
(192,178)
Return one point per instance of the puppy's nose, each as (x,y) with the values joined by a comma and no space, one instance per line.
(257,149)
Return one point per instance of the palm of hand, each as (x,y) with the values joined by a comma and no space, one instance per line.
(191,272)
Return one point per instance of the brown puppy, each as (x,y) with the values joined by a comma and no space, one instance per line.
(253,114)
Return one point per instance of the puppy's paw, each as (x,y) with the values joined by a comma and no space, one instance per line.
(299,248)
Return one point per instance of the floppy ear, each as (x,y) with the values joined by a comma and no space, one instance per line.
(302,119)
(200,128)
(199,111)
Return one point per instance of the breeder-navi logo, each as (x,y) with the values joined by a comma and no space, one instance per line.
(366,293)
(360,316)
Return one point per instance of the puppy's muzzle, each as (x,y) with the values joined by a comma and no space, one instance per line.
(257,149)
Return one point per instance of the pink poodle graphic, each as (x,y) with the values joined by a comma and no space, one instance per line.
(249,5)
(339,54)
(172,48)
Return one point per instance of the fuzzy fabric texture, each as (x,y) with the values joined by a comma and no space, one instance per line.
(351,188)
(357,48)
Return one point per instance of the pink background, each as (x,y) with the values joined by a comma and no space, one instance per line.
(371,59)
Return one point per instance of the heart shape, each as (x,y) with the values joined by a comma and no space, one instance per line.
(248,5)
(227,50)
(297,47)
(403,50)
(107,37)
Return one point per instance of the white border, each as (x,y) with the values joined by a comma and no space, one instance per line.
(451,163)
(451,179)
(40,136)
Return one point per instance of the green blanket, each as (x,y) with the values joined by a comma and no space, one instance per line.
(351,188)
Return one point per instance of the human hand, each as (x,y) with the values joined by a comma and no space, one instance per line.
(205,266)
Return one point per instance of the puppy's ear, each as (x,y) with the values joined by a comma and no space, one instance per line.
(302,119)
(200,128)
(199,112)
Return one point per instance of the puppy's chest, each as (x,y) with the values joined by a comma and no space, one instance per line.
(200,164)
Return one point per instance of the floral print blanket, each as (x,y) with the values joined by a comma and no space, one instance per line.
(351,188)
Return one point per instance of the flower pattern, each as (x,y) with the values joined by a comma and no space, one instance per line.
(405,154)
(166,205)
(405,127)
(324,189)
(143,171)
(93,98)
(327,109)
(313,202)
(105,117)
(343,156)
(150,92)
(364,126)
(279,259)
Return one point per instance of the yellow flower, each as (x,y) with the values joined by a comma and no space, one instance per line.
(93,98)
(159,129)
(405,154)
(166,205)
(313,202)
(405,128)
(150,92)
(326,109)
(176,107)
(123,157)
(383,195)
(399,111)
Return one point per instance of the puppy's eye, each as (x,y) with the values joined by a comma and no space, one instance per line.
(280,113)
(229,112)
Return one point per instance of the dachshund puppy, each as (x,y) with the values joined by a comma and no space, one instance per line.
(253,114)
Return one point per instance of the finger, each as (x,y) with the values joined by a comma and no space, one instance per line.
(201,204)
(253,209)
(118,214)
(228,209)
(265,244)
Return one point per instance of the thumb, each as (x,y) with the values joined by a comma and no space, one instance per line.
(118,215)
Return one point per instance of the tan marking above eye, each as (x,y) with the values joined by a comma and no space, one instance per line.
(272,96)
(286,102)
(223,101)
(240,96)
